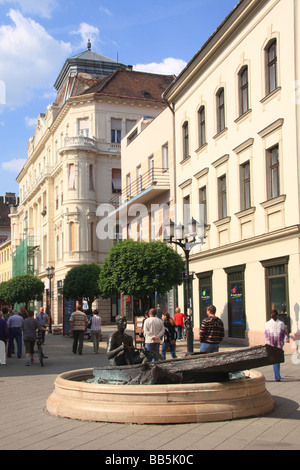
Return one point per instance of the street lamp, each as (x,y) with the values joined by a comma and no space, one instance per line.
(186,242)
(50,274)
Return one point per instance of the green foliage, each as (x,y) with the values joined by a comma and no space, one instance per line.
(140,269)
(22,289)
(4,293)
(81,282)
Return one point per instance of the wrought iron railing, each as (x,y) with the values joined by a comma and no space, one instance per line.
(155,177)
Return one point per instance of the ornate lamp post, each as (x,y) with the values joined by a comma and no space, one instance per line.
(50,274)
(186,242)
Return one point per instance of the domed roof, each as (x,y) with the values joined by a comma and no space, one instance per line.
(87,62)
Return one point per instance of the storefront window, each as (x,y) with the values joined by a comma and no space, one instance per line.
(276,273)
(236,301)
(205,293)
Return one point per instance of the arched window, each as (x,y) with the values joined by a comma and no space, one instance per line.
(185,138)
(271,66)
(220,110)
(243,90)
(72,236)
(201,126)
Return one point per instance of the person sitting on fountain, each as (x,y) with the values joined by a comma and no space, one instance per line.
(120,349)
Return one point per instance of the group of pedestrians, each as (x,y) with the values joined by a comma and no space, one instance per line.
(18,327)
(79,323)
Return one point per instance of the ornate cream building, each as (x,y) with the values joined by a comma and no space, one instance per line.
(235,122)
(73,167)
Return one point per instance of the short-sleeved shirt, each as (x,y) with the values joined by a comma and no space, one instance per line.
(79,320)
(15,321)
(42,318)
(30,326)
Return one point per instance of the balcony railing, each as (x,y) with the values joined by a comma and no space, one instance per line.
(79,140)
(155,178)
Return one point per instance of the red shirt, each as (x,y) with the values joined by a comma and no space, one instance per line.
(178,318)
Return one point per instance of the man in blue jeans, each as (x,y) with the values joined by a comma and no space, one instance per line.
(15,324)
(154,330)
(211,331)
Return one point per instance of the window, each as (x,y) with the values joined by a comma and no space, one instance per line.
(203,202)
(271,66)
(220,110)
(201,123)
(116,130)
(222,197)
(186,213)
(273,189)
(165,157)
(72,236)
(243,90)
(277,295)
(236,301)
(92,236)
(205,290)
(83,127)
(91,178)
(71,182)
(116,180)
(56,198)
(128,185)
(130,123)
(57,248)
(185,137)
(245,186)
(151,169)
(61,192)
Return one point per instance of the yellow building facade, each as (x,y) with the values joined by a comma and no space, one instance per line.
(235,124)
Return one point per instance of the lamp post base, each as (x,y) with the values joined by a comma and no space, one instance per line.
(189,335)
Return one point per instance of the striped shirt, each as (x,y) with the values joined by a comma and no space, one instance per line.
(212,330)
(96,323)
(78,320)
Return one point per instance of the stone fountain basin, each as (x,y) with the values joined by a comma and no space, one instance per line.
(158,404)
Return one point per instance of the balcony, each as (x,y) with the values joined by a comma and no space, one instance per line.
(79,141)
(145,188)
(34,187)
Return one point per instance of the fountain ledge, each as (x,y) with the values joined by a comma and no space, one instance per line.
(74,398)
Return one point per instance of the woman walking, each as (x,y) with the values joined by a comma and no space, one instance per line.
(276,335)
(96,330)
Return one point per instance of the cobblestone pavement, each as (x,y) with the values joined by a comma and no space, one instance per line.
(26,425)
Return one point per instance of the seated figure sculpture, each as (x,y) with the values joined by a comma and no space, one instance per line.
(120,349)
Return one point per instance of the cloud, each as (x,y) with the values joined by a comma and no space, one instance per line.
(14,166)
(42,8)
(29,58)
(87,31)
(169,66)
(105,10)
(30,122)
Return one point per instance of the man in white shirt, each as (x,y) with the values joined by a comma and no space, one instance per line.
(154,330)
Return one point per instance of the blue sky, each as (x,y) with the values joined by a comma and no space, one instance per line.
(37,36)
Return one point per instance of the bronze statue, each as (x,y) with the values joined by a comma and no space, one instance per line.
(120,349)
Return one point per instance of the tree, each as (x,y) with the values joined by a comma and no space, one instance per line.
(4,292)
(23,289)
(81,282)
(140,269)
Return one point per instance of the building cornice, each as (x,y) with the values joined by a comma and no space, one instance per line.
(250,243)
